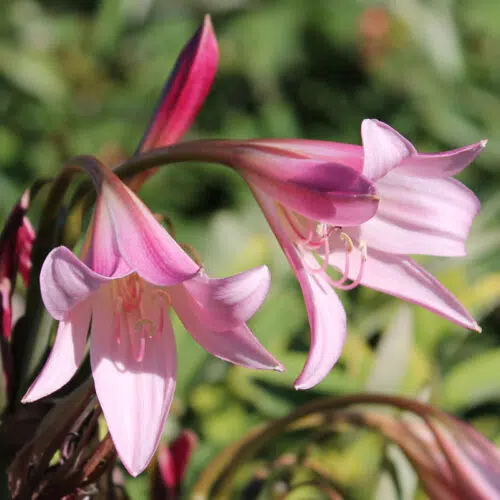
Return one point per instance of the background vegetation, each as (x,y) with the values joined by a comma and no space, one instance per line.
(83,76)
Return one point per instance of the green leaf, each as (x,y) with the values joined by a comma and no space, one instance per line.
(34,73)
(393,354)
(472,382)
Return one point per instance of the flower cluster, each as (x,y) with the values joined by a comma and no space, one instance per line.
(359,211)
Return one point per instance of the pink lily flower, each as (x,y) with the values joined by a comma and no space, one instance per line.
(329,193)
(131,273)
(453,460)
(422,210)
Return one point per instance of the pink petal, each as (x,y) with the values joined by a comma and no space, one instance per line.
(6,308)
(65,281)
(473,479)
(237,345)
(141,240)
(135,396)
(100,250)
(65,356)
(482,453)
(444,164)
(25,239)
(174,460)
(332,208)
(350,155)
(185,90)
(325,311)
(402,277)
(322,175)
(384,149)
(421,216)
(182,449)
(327,320)
(16,242)
(226,303)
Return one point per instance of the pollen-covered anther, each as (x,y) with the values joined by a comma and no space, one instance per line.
(324,232)
(344,237)
(163,296)
(145,327)
(364,256)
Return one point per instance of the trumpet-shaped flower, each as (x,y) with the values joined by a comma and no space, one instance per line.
(451,458)
(315,196)
(130,275)
(322,190)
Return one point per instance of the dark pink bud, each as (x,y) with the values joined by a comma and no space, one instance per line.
(185,90)
(173,461)
(16,242)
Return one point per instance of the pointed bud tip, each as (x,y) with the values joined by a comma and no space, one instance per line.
(207,29)
(207,21)
(483,143)
(300,387)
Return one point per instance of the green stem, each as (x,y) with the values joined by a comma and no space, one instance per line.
(207,151)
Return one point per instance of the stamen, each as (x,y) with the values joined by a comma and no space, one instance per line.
(161,321)
(324,232)
(347,240)
(145,324)
(312,229)
(116,323)
(166,303)
(163,295)
(326,244)
(140,328)
(117,320)
(131,289)
(364,255)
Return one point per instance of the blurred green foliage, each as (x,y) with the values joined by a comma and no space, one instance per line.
(84,76)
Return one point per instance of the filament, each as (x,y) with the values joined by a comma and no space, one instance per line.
(129,297)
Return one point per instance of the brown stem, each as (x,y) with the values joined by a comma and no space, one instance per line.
(223,468)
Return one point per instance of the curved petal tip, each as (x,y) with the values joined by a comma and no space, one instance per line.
(384,148)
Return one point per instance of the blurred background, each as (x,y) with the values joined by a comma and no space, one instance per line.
(83,76)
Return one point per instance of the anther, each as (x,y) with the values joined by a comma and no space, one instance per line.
(364,255)
(144,324)
(117,320)
(162,295)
